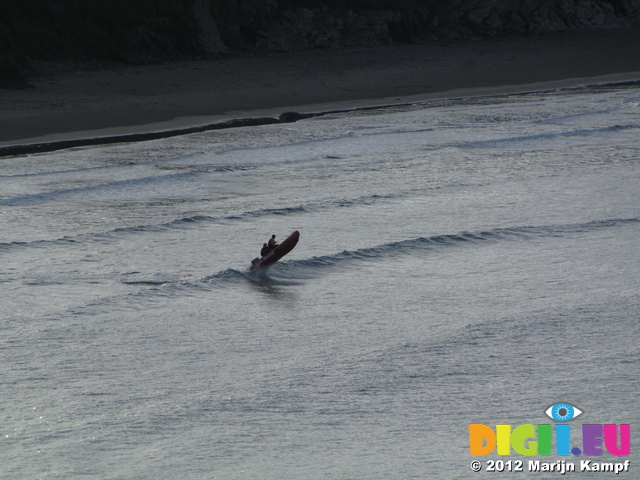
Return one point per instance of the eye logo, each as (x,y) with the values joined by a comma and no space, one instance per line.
(562,412)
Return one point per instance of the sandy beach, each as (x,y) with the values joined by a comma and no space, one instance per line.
(170,97)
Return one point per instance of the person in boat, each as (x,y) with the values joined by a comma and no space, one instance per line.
(265,250)
(272,242)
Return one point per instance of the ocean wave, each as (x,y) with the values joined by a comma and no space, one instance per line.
(544,137)
(192,221)
(92,192)
(197,220)
(306,267)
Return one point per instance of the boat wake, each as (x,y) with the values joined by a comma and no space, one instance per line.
(297,272)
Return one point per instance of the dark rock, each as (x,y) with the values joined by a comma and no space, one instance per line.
(290,117)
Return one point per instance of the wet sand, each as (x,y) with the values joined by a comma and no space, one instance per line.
(166,98)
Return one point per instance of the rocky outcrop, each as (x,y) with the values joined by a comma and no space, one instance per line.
(149,31)
(294,25)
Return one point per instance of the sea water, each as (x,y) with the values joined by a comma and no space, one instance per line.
(462,261)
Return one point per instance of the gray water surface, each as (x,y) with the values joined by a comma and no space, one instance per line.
(460,261)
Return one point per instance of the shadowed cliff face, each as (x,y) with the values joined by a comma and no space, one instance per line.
(149,31)
(301,24)
(123,31)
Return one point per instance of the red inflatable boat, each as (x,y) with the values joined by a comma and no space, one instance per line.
(277,253)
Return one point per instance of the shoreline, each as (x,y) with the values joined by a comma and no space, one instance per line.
(159,101)
(155,131)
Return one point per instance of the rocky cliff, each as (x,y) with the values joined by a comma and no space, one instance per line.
(146,31)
